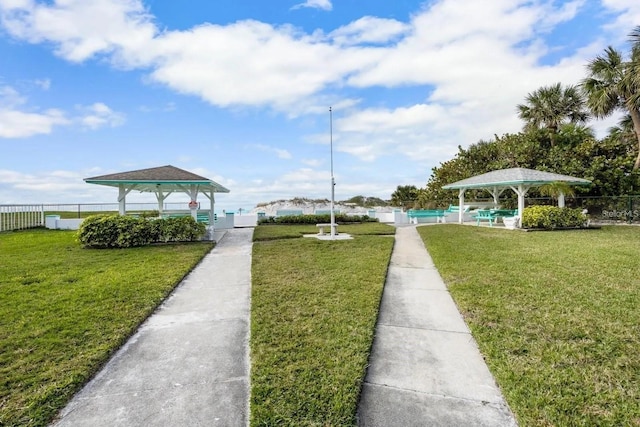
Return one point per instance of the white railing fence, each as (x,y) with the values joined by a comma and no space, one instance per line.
(19,217)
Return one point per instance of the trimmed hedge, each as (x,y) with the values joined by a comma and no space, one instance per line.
(116,231)
(315,219)
(551,217)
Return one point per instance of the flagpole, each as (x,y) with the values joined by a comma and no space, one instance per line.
(333,183)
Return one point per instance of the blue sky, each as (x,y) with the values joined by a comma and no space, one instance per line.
(239,91)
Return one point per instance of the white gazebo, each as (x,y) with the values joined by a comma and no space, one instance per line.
(162,181)
(520,180)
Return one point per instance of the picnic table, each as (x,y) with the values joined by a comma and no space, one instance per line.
(493,215)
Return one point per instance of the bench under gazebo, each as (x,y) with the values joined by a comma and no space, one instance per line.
(520,180)
(162,181)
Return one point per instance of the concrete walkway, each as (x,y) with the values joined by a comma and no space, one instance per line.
(188,364)
(425,368)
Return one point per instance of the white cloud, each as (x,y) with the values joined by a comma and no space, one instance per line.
(42,187)
(244,63)
(474,62)
(81,29)
(99,115)
(16,121)
(252,63)
(19,124)
(9,97)
(281,153)
(628,18)
(43,84)
(314,163)
(168,107)
(369,29)
(315,4)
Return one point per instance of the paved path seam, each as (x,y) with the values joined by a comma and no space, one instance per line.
(444,396)
(388,325)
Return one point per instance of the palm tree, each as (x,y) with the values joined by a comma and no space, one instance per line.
(614,84)
(624,129)
(405,195)
(552,106)
(557,189)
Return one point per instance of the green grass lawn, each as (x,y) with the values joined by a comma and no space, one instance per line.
(64,310)
(314,309)
(556,314)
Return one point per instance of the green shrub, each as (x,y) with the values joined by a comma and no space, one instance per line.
(550,217)
(315,219)
(115,231)
(180,229)
(99,231)
(130,232)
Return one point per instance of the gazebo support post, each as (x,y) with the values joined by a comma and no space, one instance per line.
(122,198)
(521,191)
(212,214)
(561,200)
(461,205)
(496,193)
(212,201)
(193,193)
(160,196)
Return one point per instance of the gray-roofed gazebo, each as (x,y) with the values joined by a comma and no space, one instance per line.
(520,180)
(162,181)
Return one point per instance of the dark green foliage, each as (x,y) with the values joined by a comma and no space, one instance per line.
(315,219)
(550,217)
(508,151)
(116,231)
(180,229)
(608,163)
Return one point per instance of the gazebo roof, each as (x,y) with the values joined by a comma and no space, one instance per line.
(168,177)
(514,176)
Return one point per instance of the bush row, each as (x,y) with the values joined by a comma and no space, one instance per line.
(550,217)
(315,219)
(116,231)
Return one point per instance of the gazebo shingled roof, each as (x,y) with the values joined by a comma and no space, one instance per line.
(148,180)
(514,176)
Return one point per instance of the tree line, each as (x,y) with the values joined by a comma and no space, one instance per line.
(555,136)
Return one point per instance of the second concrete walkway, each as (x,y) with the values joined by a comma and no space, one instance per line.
(425,368)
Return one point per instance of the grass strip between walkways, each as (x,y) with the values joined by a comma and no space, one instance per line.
(64,310)
(314,309)
(556,315)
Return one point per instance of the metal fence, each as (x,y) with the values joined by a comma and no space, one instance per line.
(614,209)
